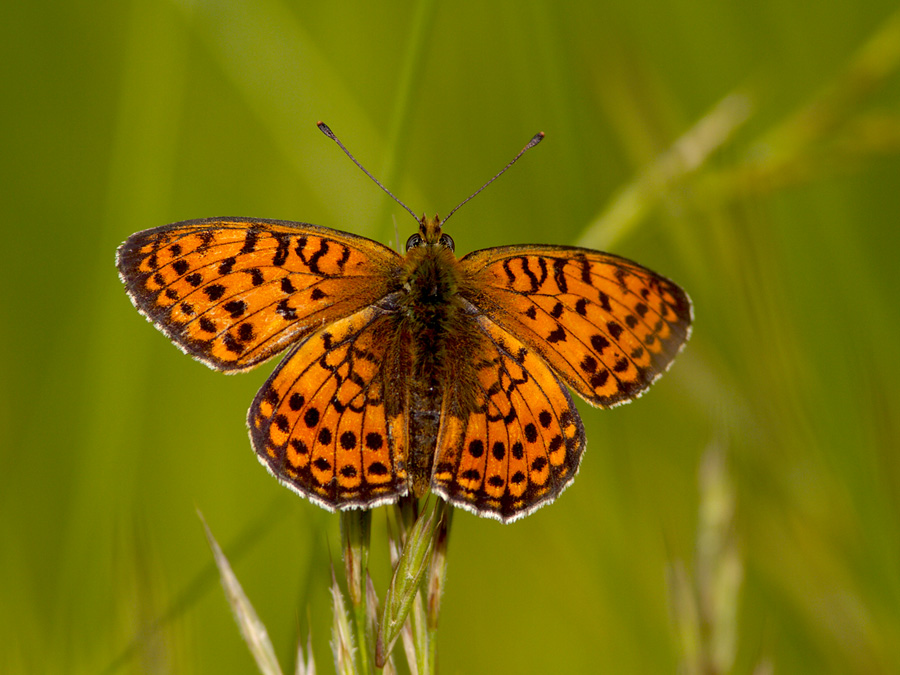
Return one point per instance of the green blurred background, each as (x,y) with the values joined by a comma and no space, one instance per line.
(743,516)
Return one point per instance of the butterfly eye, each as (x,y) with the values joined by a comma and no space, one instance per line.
(447,242)
(414,241)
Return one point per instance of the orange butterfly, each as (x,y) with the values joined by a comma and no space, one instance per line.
(416,372)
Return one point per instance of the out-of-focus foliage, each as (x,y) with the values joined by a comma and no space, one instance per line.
(744,514)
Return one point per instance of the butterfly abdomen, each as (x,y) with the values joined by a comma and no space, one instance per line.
(431,316)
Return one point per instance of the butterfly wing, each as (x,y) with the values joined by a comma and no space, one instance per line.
(234,292)
(511,439)
(606,325)
(328,423)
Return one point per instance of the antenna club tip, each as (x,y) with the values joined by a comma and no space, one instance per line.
(325,129)
(538,137)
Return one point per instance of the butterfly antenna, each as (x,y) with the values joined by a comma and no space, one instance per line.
(328,132)
(538,137)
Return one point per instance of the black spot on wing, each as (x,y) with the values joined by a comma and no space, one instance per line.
(251,237)
(345,256)
(585,266)
(559,275)
(532,277)
(227,265)
(214,291)
(281,252)
(603,299)
(235,308)
(510,275)
(286,312)
(557,335)
(599,343)
(256,276)
(314,259)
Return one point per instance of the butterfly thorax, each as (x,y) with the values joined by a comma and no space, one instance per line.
(432,318)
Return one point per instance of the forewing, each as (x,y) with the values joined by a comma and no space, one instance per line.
(234,292)
(511,439)
(321,423)
(608,326)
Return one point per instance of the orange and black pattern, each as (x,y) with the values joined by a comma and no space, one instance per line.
(416,372)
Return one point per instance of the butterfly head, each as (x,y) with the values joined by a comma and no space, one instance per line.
(430,236)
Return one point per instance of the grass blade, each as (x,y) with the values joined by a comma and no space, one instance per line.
(252,629)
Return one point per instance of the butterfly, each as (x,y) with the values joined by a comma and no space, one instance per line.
(410,373)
